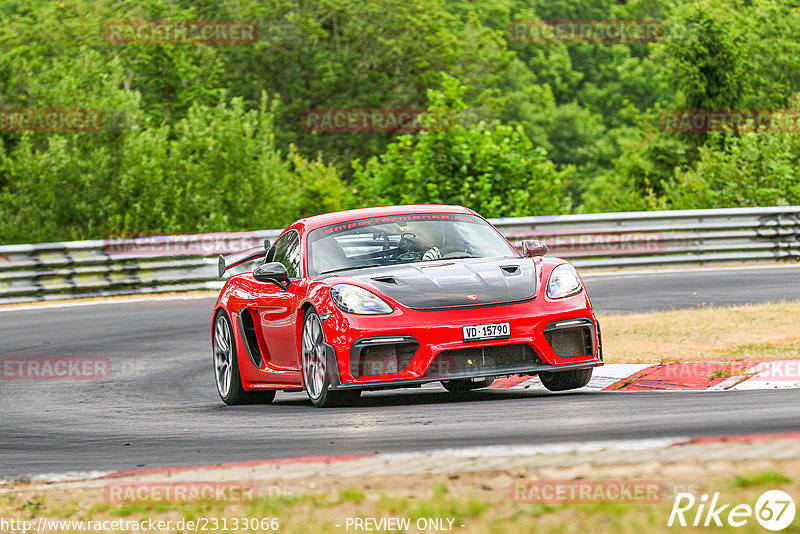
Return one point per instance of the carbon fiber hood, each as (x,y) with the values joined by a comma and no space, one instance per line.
(452,283)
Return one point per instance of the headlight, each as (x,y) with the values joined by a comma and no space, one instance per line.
(563,282)
(354,299)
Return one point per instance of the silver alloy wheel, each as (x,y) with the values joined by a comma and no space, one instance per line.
(314,359)
(223,356)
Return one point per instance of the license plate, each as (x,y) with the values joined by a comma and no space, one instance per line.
(486,331)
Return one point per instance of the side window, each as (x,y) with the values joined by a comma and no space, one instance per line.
(287,252)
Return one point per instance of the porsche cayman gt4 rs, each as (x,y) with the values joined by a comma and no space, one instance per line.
(396,297)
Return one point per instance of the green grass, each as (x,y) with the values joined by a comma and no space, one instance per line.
(480,511)
(721,373)
(354,495)
(749,332)
(764,479)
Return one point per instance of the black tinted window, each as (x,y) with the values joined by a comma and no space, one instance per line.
(406,238)
(287,252)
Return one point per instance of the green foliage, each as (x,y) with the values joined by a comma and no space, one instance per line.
(492,168)
(708,58)
(754,169)
(648,161)
(340,54)
(543,127)
(768,479)
(706,54)
(354,495)
(775,50)
(216,169)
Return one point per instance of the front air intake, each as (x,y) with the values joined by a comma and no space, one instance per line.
(571,339)
(381,355)
(496,359)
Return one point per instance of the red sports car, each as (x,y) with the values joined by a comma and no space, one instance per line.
(396,297)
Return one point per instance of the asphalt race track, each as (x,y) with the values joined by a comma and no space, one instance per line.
(159,406)
(689,288)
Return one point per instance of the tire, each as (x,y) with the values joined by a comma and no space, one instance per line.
(316,367)
(226,367)
(565,380)
(466,385)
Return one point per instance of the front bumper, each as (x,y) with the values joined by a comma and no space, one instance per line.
(431,345)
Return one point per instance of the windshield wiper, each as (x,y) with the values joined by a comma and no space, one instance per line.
(353,268)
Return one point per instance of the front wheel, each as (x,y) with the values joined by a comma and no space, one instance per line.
(565,380)
(316,367)
(226,367)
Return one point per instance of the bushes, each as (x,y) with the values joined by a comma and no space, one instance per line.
(217,169)
(197,160)
(751,170)
(492,168)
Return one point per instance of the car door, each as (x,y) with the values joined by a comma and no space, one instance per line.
(277,308)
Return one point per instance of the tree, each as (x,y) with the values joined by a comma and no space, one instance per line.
(218,169)
(340,54)
(704,57)
(754,169)
(491,168)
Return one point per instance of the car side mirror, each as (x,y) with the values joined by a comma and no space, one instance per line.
(533,247)
(273,272)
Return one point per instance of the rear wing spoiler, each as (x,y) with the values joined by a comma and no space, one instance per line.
(237,258)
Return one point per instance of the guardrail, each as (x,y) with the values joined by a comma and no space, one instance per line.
(665,238)
(117,266)
(76,269)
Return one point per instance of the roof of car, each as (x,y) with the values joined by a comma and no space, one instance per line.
(363,213)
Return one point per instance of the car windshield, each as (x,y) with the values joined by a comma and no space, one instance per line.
(399,239)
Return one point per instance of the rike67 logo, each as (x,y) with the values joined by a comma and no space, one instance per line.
(774,510)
